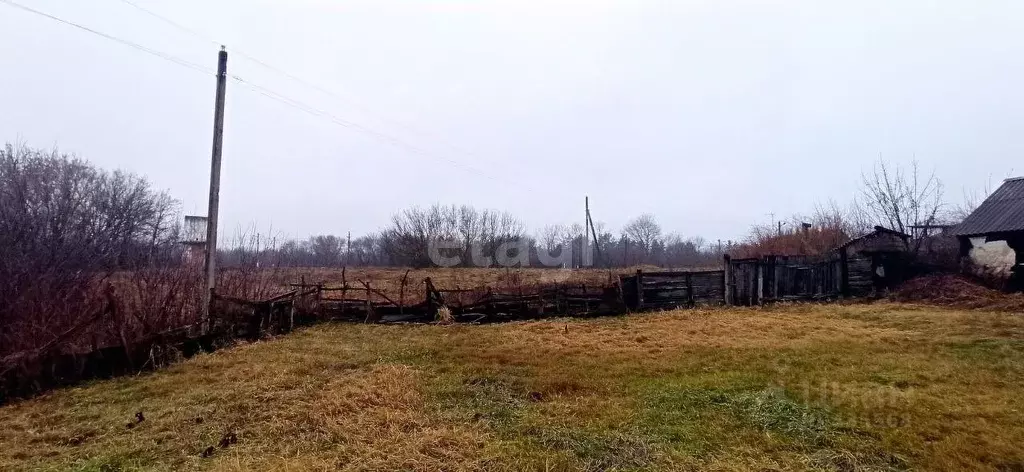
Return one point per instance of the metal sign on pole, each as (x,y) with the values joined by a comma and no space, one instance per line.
(211,225)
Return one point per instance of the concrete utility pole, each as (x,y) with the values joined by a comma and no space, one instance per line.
(585,249)
(211,214)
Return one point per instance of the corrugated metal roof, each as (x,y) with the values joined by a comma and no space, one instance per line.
(1002,211)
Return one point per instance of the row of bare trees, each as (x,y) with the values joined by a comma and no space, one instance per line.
(407,240)
(641,242)
(404,242)
(904,199)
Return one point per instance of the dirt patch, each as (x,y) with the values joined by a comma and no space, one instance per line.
(957,291)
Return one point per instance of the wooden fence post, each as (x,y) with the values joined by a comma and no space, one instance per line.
(344,292)
(727,279)
(776,277)
(621,294)
(639,289)
(759,270)
(370,315)
(291,314)
(689,289)
(319,301)
(302,296)
(432,305)
(844,272)
(401,293)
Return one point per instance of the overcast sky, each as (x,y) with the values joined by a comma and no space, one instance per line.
(709,114)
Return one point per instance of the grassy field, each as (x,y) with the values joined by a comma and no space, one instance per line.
(859,387)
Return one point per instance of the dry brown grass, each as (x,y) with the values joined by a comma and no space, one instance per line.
(862,387)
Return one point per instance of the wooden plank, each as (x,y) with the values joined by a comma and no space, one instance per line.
(683,273)
(759,271)
(655,295)
(689,288)
(726,281)
(639,289)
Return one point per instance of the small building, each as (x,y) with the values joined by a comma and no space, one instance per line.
(193,239)
(992,237)
(873,262)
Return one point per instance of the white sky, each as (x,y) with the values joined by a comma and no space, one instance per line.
(709,114)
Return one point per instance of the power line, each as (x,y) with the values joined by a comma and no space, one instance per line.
(161,55)
(307,108)
(234,50)
(170,21)
(259,89)
(293,77)
(354,126)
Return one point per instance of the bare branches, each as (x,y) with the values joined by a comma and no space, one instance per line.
(411,232)
(972,199)
(644,230)
(899,198)
(66,227)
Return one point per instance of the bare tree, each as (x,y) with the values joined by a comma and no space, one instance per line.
(407,240)
(327,250)
(972,199)
(550,237)
(644,231)
(900,198)
(686,252)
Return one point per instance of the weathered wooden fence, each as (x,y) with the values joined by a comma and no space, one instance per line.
(781,278)
(666,290)
(739,282)
(744,282)
(48,367)
(485,304)
(234,319)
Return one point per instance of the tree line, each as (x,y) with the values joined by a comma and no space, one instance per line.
(60,213)
(898,198)
(406,241)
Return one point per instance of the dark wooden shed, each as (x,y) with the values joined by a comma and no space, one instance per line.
(873,262)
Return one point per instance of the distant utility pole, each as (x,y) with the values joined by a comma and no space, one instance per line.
(211,214)
(585,256)
(593,232)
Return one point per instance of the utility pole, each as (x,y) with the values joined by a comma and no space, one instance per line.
(211,214)
(593,232)
(585,257)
